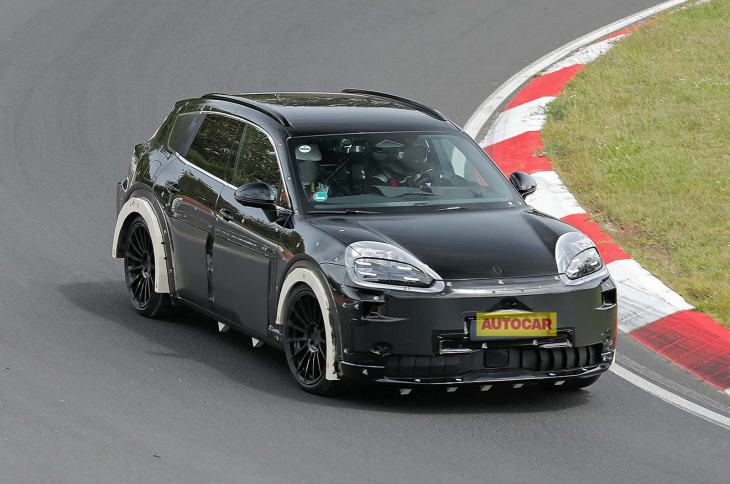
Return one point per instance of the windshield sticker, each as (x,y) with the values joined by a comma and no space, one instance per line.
(319,196)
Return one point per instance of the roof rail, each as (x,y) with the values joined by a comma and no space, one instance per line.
(262,108)
(421,107)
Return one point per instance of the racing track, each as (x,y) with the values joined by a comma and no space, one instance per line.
(89,392)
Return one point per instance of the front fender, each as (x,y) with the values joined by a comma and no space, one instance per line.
(305,273)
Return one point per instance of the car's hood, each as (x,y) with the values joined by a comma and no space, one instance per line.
(462,244)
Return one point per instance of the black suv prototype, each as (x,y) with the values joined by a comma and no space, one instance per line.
(365,235)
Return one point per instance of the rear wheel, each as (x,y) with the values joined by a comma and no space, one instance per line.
(139,272)
(306,342)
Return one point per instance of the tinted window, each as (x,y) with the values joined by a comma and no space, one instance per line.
(398,172)
(256,160)
(161,134)
(183,130)
(215,144)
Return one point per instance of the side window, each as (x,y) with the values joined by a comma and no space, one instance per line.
(183,130)
(161,134)
(256,160)
(215,144)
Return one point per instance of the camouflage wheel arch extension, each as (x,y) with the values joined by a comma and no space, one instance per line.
(136,206)
(305,275)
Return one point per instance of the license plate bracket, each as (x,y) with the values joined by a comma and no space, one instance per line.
(523,324)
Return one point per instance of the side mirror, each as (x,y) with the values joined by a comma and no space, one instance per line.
(256,194)
(523,183)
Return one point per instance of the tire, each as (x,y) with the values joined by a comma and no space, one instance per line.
(578,383)
(305,342)
(139,273)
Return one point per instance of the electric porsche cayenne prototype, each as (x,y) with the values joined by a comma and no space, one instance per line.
(367,237)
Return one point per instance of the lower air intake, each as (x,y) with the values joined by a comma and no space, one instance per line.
(559,358)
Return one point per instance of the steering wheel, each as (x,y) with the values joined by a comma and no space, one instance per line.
(432,176)
(424,178)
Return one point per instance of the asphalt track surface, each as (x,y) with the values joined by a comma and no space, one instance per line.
(90,392)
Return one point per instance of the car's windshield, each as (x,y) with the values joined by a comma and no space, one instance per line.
(397,172)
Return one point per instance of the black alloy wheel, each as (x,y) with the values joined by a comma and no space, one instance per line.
(139,272)
(306,342)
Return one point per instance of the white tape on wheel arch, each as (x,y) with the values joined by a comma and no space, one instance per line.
(308,277)
(143,208)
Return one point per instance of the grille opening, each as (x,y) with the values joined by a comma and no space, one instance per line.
(372,310)
(529,358)
(496,358)
(560,358)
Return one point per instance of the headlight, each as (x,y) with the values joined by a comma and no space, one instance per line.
(385,271)
(577,257)
(382,266)
(587,262)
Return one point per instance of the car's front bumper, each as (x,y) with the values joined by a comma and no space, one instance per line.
(409,338)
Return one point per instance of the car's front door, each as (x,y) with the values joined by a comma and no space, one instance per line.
(192,204)
(246,238)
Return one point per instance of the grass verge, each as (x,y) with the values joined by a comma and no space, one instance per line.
(641,137)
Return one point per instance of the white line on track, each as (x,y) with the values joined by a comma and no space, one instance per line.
(521,119)
(585,55)
(654,377)
(672,398)
(485,111)
(643,298)
(475,123)
(552,196)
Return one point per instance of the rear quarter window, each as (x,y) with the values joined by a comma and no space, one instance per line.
(183,130)
(215,144)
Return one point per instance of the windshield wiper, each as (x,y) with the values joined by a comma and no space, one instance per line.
(418,194)
(341,212)
(452,208)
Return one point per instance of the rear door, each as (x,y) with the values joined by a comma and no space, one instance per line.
(246,238)
(192,198)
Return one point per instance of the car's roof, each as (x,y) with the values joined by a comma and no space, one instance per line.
(320,113)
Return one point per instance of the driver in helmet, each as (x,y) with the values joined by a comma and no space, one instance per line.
(402,167)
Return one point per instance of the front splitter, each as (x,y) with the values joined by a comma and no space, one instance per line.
(376,374)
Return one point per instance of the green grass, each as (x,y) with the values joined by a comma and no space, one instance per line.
(641,137)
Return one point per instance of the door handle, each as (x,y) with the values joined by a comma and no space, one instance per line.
(226,214)
(172,186)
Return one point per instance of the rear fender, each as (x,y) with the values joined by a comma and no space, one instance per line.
(139,207)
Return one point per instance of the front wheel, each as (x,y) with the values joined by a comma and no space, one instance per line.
(305,342)
(139,272)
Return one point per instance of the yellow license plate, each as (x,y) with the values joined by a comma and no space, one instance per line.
(516,324)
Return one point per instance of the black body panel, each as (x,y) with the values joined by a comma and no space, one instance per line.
(422,324)
(333,113)
(244,254)
(481,244)
(229,261)
(191,214)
